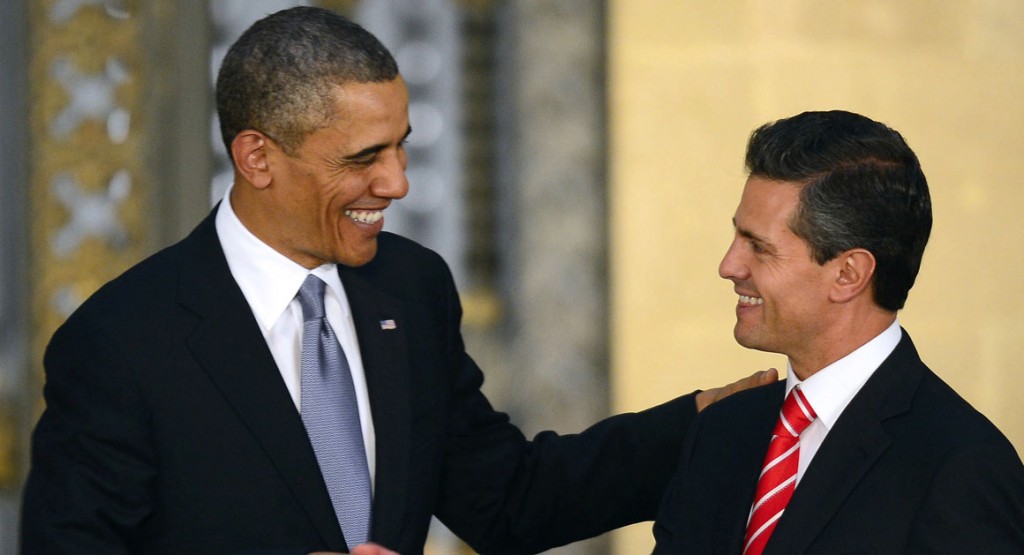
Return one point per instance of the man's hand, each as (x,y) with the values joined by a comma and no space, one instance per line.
(372,549)
(764,377)
(365,549)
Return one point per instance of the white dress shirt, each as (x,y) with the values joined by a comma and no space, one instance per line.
(832,388)
(270,282)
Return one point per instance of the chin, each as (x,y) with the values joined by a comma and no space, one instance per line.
(739,336)
(745,340)
(756,345)
(360,258)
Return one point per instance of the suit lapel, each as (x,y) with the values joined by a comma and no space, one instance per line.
(750,440)
(228,344)
(381,326)
(849,451)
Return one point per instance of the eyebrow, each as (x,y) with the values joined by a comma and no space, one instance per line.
(374,149)
(747,234)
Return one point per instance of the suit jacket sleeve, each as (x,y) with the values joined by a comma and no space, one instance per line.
(674,500)
(504,494)
(91,484)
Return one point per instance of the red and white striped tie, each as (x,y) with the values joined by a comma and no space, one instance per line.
(778,475)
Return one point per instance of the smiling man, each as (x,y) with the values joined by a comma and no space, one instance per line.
(863,449)
(289,378)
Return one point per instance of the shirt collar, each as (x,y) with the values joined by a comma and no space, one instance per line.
(832,388)
(268,279)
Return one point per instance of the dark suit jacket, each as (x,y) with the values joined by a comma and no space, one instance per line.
(168,428)
(909,467)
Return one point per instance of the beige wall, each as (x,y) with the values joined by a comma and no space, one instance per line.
(690,79)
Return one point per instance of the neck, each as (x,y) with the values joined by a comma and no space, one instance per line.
(264,224)
(843,338)
(244,208)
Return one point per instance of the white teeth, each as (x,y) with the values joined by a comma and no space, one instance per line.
(751,300)
(365,216)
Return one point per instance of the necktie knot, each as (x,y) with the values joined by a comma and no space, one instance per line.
(796,415)
(311,298)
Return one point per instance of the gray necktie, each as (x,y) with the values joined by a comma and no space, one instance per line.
(331,416)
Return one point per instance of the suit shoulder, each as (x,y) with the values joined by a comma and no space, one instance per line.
(934,425)
(398,249)
(398,256)
(136,291)
(747,404)
(952,418)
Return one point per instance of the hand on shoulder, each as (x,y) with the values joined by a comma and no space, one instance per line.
(757,379)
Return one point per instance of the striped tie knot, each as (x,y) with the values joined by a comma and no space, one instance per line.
(796,415)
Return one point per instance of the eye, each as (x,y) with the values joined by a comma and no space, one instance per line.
(359,162)
(367,160)
(757,248)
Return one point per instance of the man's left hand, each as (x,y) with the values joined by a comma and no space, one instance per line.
(364,549)
(757,379)
(372,549)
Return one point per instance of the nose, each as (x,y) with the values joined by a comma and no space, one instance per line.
(732,266)
(391,181)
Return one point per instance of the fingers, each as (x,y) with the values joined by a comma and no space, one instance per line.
(372,549)
(364,549)
(757,379)
(768,376)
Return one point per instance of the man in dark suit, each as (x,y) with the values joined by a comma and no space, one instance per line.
(177,419)
(870,452)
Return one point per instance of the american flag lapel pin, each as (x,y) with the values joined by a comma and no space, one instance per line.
(388,325)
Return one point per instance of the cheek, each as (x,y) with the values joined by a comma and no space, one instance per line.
(800,303)
(340,192)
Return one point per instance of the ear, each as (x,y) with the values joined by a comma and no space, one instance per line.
(249,152)
(855,269)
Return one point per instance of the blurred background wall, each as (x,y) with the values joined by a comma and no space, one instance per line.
(577,162)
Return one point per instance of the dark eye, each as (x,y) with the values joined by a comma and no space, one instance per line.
(756,247)
(364,161)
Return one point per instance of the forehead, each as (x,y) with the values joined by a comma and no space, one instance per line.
(766,207)
(386,102)
(364,115)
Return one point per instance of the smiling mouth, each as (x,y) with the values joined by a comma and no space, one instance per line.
(365,216)
(746,300)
